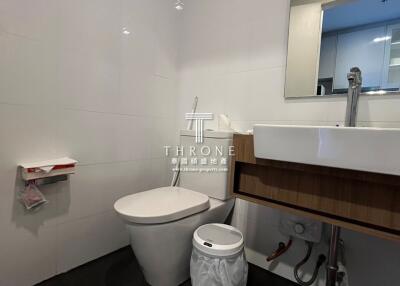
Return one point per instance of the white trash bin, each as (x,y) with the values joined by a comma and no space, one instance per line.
(218,257)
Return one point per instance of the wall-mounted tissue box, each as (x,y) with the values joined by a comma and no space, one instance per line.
(50,168)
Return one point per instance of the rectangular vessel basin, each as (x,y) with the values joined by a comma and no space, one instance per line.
(357,148)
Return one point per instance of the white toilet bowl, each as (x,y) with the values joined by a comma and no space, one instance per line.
(161,223)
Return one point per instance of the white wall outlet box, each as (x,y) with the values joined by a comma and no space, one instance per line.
(299,227)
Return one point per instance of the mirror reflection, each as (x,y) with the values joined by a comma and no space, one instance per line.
(327,38)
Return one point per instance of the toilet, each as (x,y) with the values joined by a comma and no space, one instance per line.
(161,221)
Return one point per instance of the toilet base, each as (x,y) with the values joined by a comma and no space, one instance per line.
(164,250)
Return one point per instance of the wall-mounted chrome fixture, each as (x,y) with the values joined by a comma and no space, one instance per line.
(179,5)
(355,84)
(353,95)
(282,248)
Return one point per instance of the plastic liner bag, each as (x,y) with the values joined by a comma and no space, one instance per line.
(218,271)
(31,197)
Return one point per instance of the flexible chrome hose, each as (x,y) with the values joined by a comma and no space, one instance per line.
(321,260)
(175,176)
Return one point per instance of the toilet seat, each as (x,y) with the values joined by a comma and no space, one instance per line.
(161,205)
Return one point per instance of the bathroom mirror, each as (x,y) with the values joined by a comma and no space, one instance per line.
(328,37)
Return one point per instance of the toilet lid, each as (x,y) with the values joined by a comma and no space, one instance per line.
(217,239)
(161,205)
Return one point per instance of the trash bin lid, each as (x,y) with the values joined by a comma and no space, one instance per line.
(217,239)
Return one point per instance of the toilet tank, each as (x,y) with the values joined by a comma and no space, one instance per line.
(210,178)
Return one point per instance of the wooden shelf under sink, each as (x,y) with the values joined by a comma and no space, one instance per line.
(361,201)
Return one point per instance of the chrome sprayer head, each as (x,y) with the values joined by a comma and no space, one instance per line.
(354,76)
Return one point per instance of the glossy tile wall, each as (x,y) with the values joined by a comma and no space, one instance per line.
(94,80)
(232,56)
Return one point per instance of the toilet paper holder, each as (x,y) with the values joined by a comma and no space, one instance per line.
(48,180)
(48,172)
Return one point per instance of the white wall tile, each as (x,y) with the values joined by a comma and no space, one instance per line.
(89,238)
(38,253)
(72,84)
(167,131)
(29,19)
(243,45)
(93,137)
(27,134)
(89,46)
(385,254)
(27,71)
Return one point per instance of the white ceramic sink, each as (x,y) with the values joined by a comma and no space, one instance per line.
(358,148)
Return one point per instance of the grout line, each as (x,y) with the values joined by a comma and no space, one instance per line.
(256,69)
(104,212)
(14,35)
(256,121)
(116,113)
(120,162)
(305,120)
(161,76)
(17,104)
(88,110)
(282,120)
(57,240)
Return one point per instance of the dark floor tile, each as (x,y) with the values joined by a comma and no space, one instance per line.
(187,283)
(121,268)
(259,276)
